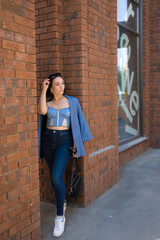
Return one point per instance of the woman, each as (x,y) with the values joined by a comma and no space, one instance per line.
(65,127)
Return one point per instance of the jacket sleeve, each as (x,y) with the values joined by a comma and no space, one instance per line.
(41,128)
(39,136)
(84,128)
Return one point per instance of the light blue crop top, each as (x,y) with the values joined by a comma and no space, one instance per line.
(58,118)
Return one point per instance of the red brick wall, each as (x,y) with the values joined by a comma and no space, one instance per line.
(146,69)
(101,170)
(133,152)
(49,37)
(155,73)
(83,47)
(49,34)
(79,38)
(76,64)
(19,178)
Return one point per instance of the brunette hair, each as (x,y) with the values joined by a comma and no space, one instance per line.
(50,95)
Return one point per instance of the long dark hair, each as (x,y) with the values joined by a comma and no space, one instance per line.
(50,95)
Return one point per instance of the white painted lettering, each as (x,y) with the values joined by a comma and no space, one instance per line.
(124,41)
(125,109)
(131,130)
(134,103)
(129,13)
(127,80)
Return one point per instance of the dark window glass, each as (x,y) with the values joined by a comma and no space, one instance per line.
(128,70)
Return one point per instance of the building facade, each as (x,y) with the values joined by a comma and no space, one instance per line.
(108,53)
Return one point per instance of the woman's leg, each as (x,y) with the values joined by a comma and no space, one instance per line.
(50,156)
(49,150)
(62,156)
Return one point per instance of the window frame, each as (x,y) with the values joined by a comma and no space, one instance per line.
(140,35)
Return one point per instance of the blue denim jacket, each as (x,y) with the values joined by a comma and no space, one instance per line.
(79,126)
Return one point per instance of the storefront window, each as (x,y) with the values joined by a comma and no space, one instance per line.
(128,70)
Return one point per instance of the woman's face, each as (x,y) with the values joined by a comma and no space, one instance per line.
(58,86)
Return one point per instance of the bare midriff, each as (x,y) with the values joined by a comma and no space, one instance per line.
(58,128)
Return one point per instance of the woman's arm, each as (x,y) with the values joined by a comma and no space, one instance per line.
(85,131)
(42,107)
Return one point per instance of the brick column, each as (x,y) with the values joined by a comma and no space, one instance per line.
(19,168)
(49,44)
(146,69)
(89,63)
(155,73)
(75,52)
(101,165)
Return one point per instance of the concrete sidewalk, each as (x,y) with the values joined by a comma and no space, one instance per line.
(128,211)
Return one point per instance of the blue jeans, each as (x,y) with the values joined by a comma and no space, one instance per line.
(55,147)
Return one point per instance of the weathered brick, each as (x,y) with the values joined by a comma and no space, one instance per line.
(22,21)
(24,39)
(6,53)
(30,14)
(12,166)
(29,195)
(19,226)
(25,74)
(30,32)
(24,57)
(6,15)
(26,4)
(17,43)
(30,49)
(13,8)
(11,101)
(14,64)
(13,27)
(30,228)
(12,138)
(17,210)
(31,67)
(3,217)
(13,46)
(36,234)
(8,74)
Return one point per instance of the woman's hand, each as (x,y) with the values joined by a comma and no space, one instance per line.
(42,107)
(74,151)
(45,84)
(74,154)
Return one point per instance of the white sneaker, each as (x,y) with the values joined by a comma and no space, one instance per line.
(59,226)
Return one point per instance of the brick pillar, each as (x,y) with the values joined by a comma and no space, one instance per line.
(19,168)
(155,73)
(101,165)
(49,44)
(76,65)
(84,44)
(146,69)
(90,67)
